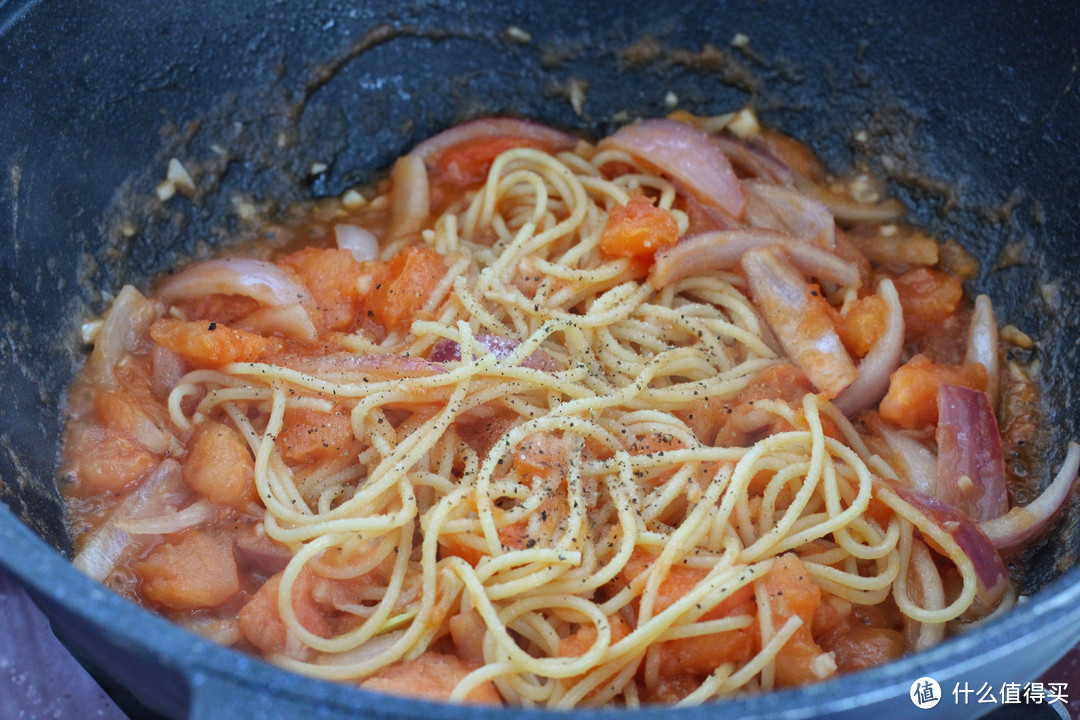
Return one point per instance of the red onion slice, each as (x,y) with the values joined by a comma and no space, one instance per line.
(447,350)
(925,579)
(350,368)
(264,282)
(410,199)
(847,251)
(363,653)
(852,212)
(162,486)
(221,630)
(172,522)
(1021,524)
(147,431)
(493,128)
(884,357)
(688,156)
(911,459)
(993,580)
(286,320)
(754,160)
(167,369)
(261,554)
(787,210)
(798,320)
(971,463)
(122,331)
(723,250)
(704,218)
(982,344)
(361,242)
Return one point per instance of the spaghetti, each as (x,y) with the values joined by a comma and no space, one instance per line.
(526,468)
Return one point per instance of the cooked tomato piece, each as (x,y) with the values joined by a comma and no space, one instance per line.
(791,592)
(312,435)
(432,676)
(331,276)
(927,297)
(403,288)
(104,459)
(196,571)
(637,230)
(579,642)
(219,466)
(913,388)
(212,343)
(261,623)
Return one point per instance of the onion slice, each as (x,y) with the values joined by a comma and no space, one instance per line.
(167,369)
(361,242)
(688,156)
(787,210)
(982,344)
(884,357)
(259,280)
(494,128)
(992,579)
(287,320)
(852,212)
(262,554)
(754,160)
(925,578)
(1021,524)
(122,330)
(723,250)
(100,553)
(364,653)
(410,198)
(971,463)
(913,460)
(172,522)
(347,367)
(798,319)
(447,350)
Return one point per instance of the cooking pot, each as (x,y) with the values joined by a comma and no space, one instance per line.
(969,109)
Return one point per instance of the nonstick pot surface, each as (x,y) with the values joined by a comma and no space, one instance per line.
(968,109)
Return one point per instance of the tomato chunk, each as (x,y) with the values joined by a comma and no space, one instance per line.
(579,642)
(913,389)
(197,571)
(219,466)
(261,623)
(432,676)
(404,286)
(792,592)
(468,162)
(637,230)
(212,343)
(862,324)
(927,297)
(331,276)
(702,654)
(866,647)
(680,580)
(104,459)
(311,435)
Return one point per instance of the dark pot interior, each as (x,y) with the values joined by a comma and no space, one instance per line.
(968,109)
